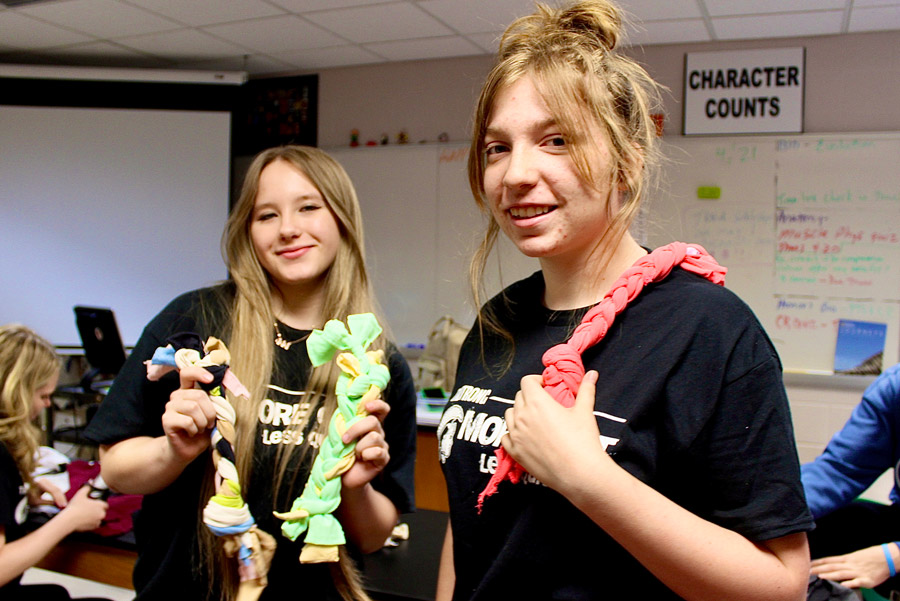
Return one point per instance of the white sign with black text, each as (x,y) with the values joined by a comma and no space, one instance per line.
(744,91)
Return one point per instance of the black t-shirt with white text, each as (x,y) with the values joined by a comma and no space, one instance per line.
(166,526)
(689,400)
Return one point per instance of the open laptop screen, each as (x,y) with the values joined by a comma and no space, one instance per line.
(100,339)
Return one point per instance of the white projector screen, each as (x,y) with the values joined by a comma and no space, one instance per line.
(117,208)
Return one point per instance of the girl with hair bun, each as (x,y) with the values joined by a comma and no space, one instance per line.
(294,249)
(653,457)
(29,372)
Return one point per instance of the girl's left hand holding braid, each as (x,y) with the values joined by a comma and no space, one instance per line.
(372,454)
(353,433)
(544,437)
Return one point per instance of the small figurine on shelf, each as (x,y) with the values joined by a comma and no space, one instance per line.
(354,137)
(659,120)
(443,137)
(384,139)
(402,137)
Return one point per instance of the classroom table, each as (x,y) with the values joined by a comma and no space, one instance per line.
(408,572)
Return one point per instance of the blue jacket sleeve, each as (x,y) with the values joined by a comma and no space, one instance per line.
(860,452)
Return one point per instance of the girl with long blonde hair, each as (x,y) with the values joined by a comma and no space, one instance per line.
(29,372)
(635,439)
(294,249)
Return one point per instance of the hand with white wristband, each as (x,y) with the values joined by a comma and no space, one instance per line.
(866,568)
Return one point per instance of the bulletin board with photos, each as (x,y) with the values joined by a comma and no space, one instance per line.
(276,111)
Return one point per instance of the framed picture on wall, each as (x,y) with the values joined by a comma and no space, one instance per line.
(276,111)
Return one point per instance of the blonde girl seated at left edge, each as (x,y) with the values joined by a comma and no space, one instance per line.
(29,372)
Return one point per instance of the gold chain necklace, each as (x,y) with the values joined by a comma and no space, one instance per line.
(286,344)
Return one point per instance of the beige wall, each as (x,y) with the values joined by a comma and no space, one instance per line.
(424,98)
(852,83)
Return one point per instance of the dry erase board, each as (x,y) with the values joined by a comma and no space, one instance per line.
(421,226)
(808,225)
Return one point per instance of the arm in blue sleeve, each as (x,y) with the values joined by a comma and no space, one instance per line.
(860,452)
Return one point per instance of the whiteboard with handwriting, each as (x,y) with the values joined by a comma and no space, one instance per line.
(808,225)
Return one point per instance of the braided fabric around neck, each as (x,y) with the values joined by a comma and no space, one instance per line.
(563,367)
(226,513)
(363,376)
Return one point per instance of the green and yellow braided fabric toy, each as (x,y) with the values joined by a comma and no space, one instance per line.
(363,376)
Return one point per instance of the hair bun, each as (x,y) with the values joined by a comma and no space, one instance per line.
(595,18)
(593,25)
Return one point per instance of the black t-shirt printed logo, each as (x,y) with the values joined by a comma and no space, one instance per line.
(278,419)
(450,420)
(469,417)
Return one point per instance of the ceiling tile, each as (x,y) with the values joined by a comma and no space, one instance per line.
(668,32)
(321,33)
(637,10)
(338,56)
(718,8)
(489,42)
(209,12)
(275,34)
(879,18)
(786,25)
(489,17)
(101,48)
(425,48)
(185,44)
(108,54)
(101,18)
(24,32)
(380,23)
(305,6)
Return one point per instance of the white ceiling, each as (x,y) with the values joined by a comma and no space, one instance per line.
(279,36)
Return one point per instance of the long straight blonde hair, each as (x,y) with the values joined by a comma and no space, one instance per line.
(250,332)
(27,364)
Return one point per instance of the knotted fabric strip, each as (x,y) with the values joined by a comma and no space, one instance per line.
(363,377)
(226,514)
(563,367)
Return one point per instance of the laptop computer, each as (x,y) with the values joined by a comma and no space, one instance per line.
(103,348)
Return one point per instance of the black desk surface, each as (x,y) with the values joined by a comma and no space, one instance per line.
(408,571)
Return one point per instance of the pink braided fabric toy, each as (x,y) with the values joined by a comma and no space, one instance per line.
(563,368)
